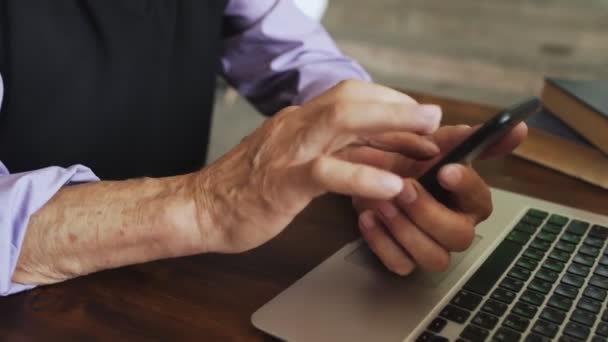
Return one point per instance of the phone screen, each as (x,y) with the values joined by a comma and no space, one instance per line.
(488,134)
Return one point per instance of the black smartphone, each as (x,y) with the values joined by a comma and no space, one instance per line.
(491,132)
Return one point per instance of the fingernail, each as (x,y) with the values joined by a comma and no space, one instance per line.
(367,221)
(391,184)
(408,194)
(430,113)
(388,210)
(452,174)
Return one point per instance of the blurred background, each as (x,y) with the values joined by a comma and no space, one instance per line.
(490,51)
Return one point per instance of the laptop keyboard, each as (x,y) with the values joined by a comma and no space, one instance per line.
(547,280)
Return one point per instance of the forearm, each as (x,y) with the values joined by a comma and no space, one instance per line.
(91,227)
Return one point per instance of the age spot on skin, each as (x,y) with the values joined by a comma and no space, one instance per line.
(72,237)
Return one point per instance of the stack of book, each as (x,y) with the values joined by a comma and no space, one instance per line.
(571,133)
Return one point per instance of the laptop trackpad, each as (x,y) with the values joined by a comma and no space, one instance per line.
(362,256)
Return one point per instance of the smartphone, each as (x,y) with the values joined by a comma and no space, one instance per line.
(488,134)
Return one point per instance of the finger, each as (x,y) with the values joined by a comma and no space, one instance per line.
(508,143)
(424,250)
(335,175)
(387,250)
(389,161)
(468,191)
(408,144)
(376,117)
(451,229)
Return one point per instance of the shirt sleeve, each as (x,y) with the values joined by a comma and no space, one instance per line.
(21,195)
(277,56)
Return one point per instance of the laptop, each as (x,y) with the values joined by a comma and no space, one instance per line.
(536,271)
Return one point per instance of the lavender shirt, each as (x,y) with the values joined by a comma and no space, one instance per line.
(273,42)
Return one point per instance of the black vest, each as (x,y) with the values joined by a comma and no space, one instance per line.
(123,86)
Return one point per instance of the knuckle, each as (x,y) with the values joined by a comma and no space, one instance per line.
(335,114)
(318,169)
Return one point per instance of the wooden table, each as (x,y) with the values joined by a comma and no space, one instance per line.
(211,297)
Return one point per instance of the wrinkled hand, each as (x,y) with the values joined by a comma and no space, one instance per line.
(414,229)
(253,192)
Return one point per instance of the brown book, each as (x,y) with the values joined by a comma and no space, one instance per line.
(583,105)
(554,144)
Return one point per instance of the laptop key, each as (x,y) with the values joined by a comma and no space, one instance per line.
(553,315)
(519,237)
(524,309)
(547,275)
(437,325)
(559,302)
(531,220)
(558,220)
(605,315)
(539,285)
(579,270)
(573,280)
(494,307)
(516,323)
(583,317)
(599,281)
(583,260)
(601,270)
(539,244)
(602,329)
(589,304)
(571,238)
(553,265)
(559,255)
(594,242)
(565,338)
(527,263)
(589,250)
(537,213)
(519,273)
(566,291)
(512,284)
(485,320)
(534,254)
(576,330)
(536,338)
(424,337)
(598,339)
(506,335)
(577,227)
(595,293)
(503,295)
(467,300)
(488,274)
(474,333)
(526,228)
(551,228)
(438,338)
(455,314)
(532,297)
(545,328)
(546,236)
(565,246)
(599,232)
(604,260)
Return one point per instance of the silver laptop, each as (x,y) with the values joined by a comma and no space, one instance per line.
(536,272)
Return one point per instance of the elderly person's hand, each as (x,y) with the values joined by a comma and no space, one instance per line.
(258,187)
(414,229)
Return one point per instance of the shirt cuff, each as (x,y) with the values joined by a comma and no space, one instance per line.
(21,195)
